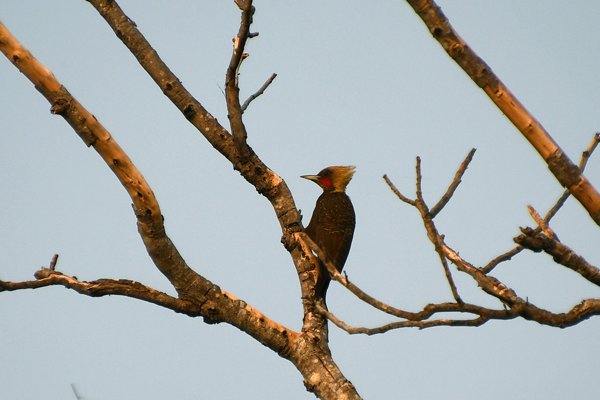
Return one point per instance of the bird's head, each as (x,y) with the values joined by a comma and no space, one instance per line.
(333,179)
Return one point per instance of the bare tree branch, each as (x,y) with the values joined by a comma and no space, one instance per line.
(567,173)
(540,241)
(550,214)
(404,324)
(232,90)
(452,188)
(397,192)
(53,262)
(580,312)
(104,287)
(507,256)
(127,31)
(587,153)
(432,232)
(260,91)
(584,310)
(146,208)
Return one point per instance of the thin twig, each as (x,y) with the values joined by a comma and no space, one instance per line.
(501,258)
(77,395)
(53,262)
(429,310)
(557,206)
(419,178)
(260,91)
(480,320)
(540,222)
(452,188)
(397,192)
(448,273)
(585,156)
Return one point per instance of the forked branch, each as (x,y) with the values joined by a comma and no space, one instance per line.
(537,241)
(92,132)
(194,291)
(513,306)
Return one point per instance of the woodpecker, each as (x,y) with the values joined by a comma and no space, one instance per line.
(332,223)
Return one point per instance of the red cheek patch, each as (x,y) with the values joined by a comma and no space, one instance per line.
(326,182)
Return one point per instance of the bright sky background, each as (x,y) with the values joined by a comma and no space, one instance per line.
(358,83)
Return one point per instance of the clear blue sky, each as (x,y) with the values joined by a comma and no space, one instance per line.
(358,83)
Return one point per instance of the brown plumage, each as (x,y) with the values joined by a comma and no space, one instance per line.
(332,224)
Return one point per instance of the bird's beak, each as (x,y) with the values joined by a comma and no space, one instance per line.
(314,178)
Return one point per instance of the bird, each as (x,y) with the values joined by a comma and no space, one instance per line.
(332,224)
